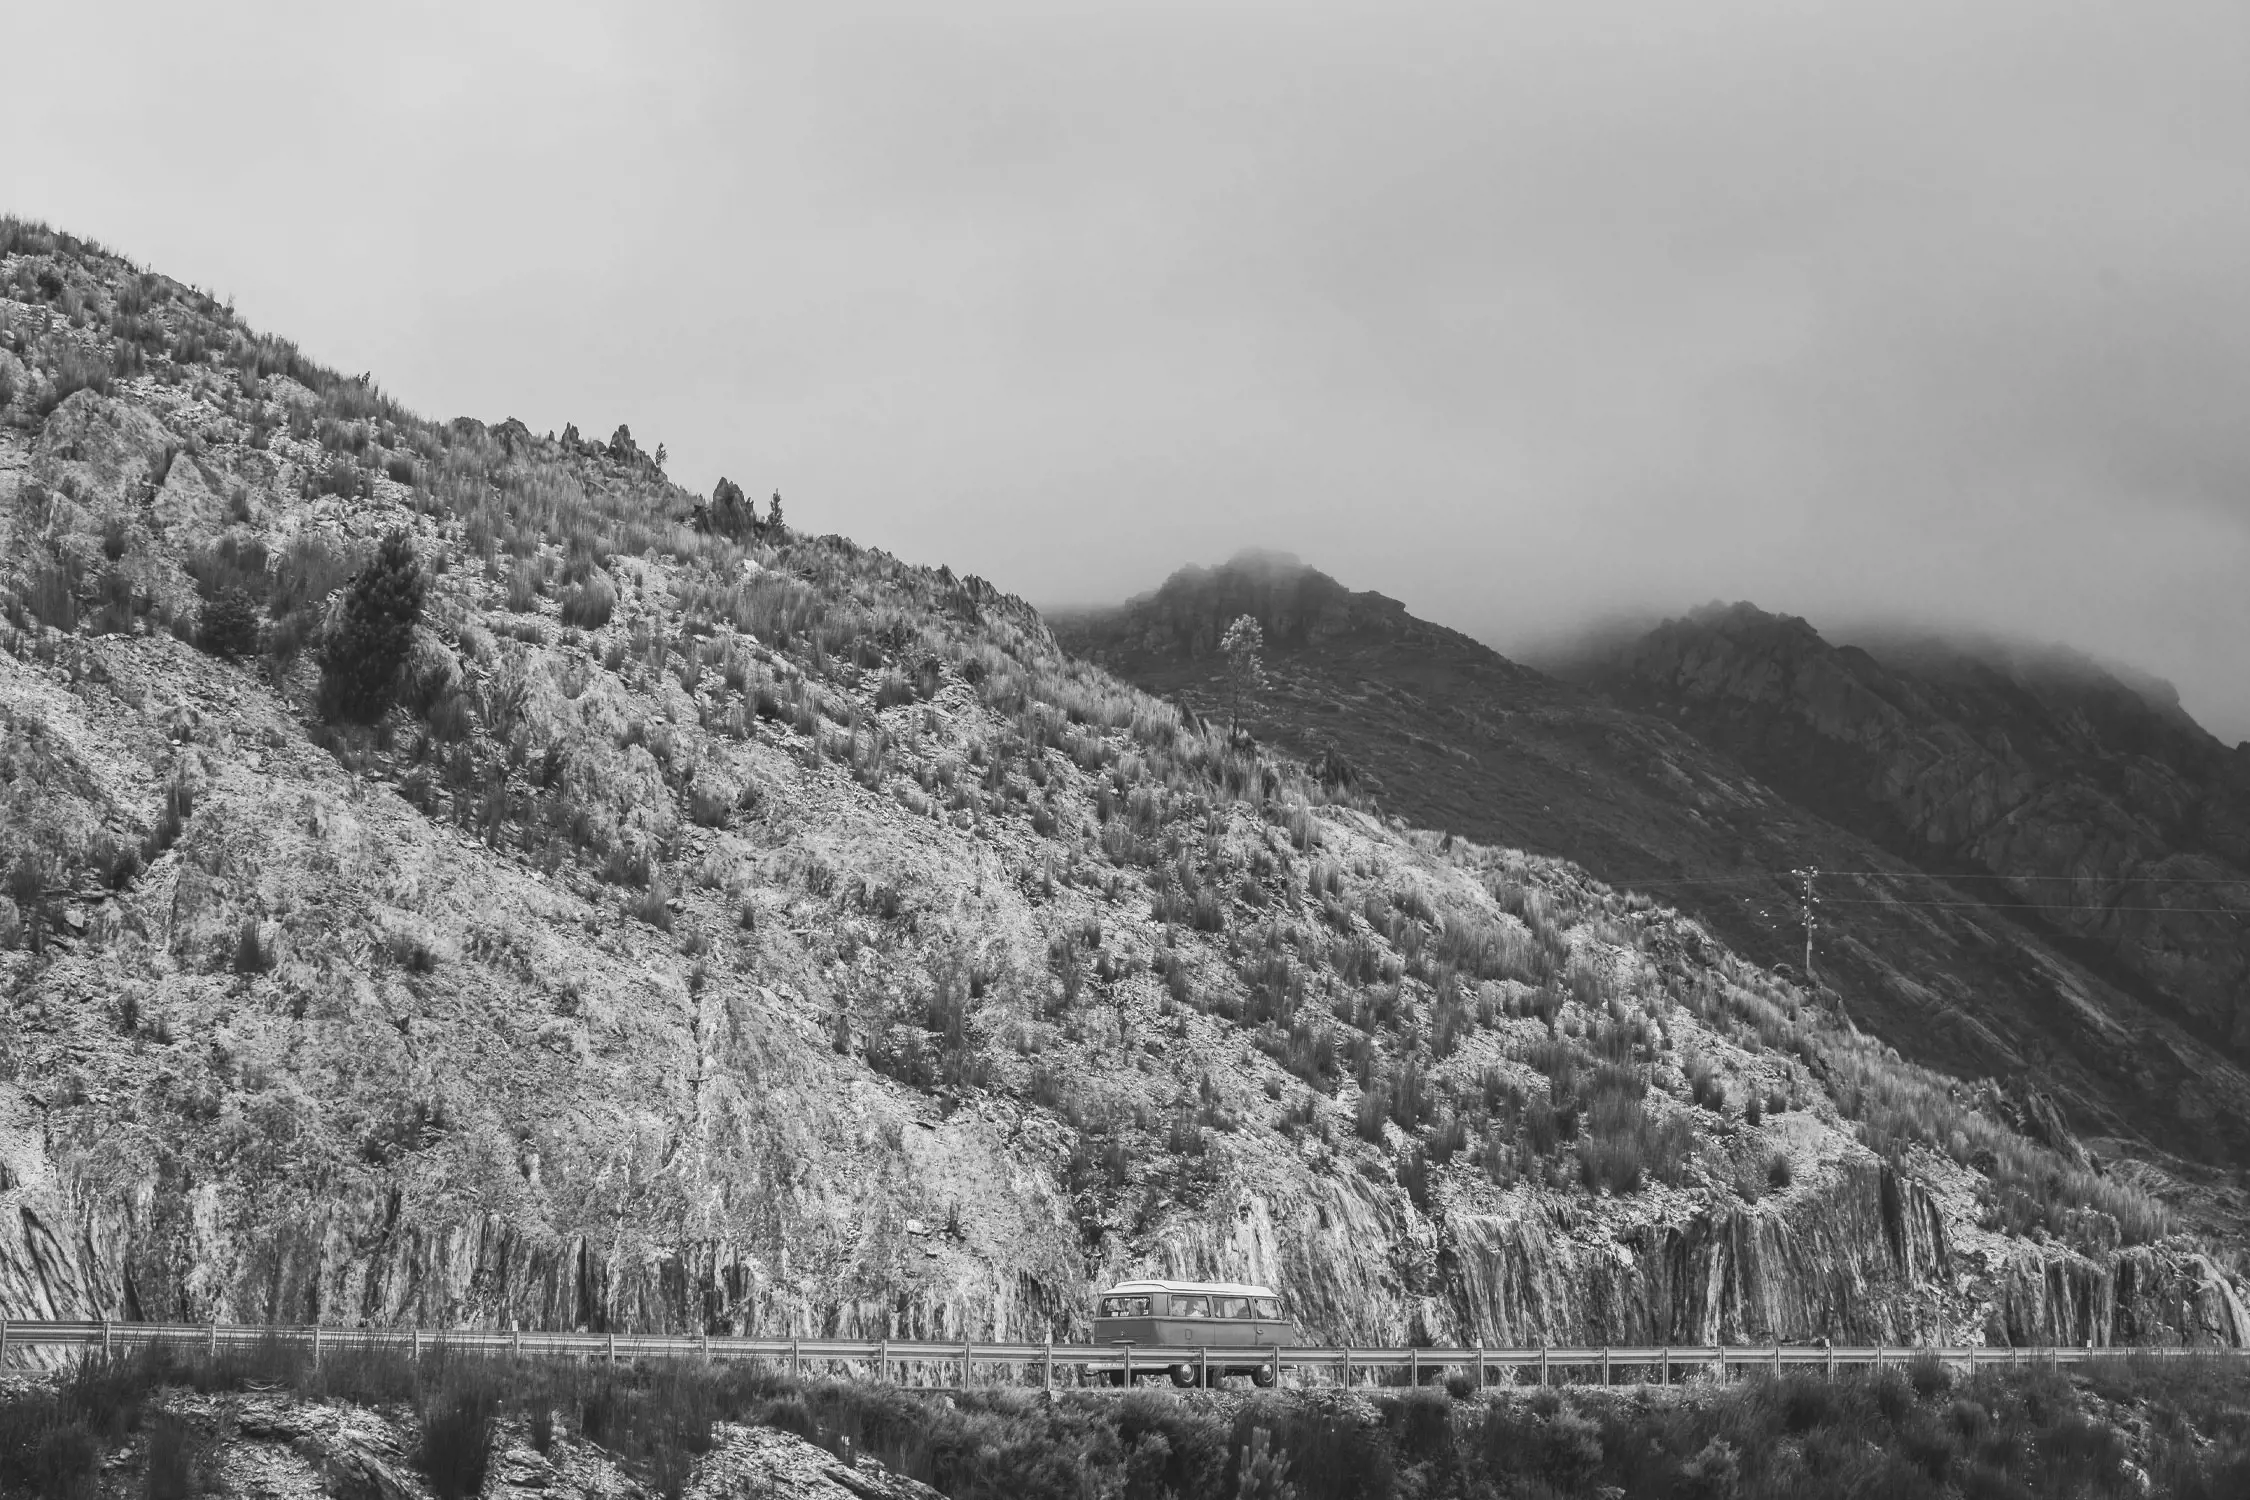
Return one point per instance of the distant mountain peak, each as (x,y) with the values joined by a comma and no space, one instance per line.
(1270,562)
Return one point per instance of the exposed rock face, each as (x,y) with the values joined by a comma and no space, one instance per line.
(763,1461)
(2112,813)
(114,444)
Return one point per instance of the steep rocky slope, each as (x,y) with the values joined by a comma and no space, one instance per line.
(2099,808)
(1455,736)
(733,929)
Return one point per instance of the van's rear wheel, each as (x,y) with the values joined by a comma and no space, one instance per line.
(1183,1376)
(1262,1377)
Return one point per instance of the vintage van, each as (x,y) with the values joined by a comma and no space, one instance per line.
(1166,1325)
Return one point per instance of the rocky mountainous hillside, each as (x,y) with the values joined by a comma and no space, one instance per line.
(456,876)
(2039,780)
(1711,790)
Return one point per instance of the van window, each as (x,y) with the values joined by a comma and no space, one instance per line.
(1266,1307)
(1191,1307)
(1125,1307)
(1233,1307)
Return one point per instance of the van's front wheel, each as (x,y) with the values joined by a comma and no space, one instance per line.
(1262,1377)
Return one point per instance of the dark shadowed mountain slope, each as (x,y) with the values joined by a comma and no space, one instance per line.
(2098,809)
(1649,792)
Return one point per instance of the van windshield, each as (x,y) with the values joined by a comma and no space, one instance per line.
(1125,1307)
(1266,1307)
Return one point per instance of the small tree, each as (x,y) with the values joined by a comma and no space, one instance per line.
(229,625)
(1244,644)
(361,658)
(1263,1474)
(773,515)
(27,884)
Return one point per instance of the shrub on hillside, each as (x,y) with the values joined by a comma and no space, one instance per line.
(74,372)
(229,624)
(588,606)
(361,659)
(1624,1145)
(457,1444)
(309,571)
(523,586)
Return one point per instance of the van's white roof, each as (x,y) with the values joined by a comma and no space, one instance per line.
(1214,1288)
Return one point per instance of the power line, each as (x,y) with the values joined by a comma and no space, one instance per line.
(2228,911)
(1770,876)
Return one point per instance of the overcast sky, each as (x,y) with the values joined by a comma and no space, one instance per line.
(1521,313)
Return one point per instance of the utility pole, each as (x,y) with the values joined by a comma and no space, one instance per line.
(1807,875)
(1810,900)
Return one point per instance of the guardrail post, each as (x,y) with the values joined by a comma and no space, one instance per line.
(1777,1357)
(1480,1367)
(1542,1361)
(1275,1356)
(316,1343)
(1719,1363)
(1413,1366)
(105,1337)
(1344,1367)
(1831,1361)
(964,1364)
(1605,1366)
(1047,1363)
(883,1360)
(414,1340)
(1128,1367)
(1203,1368)
(613,1346)
(796,1354)
(1667,1380)
(211,1343)
(515,1342)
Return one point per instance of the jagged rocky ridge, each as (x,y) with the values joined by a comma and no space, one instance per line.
(756,932)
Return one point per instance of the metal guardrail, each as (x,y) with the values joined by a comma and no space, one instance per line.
(1092,1363)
